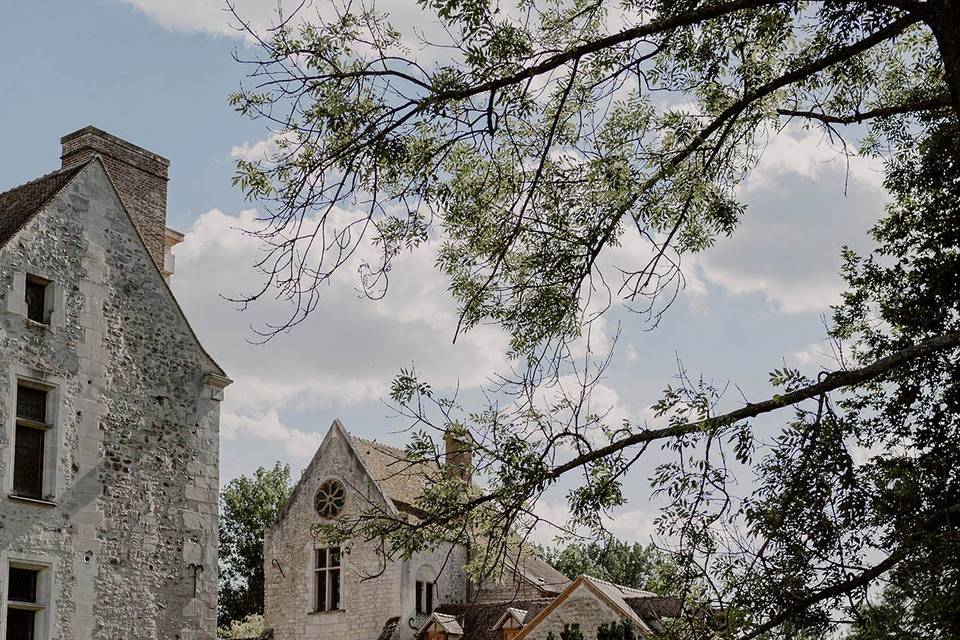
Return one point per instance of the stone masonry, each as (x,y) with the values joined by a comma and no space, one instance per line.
(126,532)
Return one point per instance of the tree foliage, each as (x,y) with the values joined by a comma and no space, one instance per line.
(624,563)
(562,157)
(248,507)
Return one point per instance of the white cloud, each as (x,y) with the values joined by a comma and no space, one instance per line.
(349,348)
(818,355)
(804,203)
(807,153)
(208,16)
(212,17)
(633,525)
(299,445)
(260,150)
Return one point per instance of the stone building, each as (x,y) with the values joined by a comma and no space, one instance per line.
(353,593)
(110,409)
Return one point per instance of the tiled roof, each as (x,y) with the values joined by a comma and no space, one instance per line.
(618,594)
(538,571)
(402,479)
(20,204)
(479,620)
(656,607)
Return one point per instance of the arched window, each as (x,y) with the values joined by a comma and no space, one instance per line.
(426,589)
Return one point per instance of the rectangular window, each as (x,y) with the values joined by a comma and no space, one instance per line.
(29,439)
(24,604)
(327,579)
(35,292)
(424,595)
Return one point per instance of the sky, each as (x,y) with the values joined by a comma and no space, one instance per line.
(158,73)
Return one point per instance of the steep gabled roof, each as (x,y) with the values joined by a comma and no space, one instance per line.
(535,570)
(396,478)
(480,621)
(448,622)
(614,595)
(20,204)
(401,479)
(518,615)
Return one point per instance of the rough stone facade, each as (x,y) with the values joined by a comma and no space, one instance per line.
(126,533)
(372,591)
(581,607)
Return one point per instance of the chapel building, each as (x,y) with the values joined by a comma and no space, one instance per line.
(353,592)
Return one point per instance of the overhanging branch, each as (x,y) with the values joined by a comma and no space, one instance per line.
(931,104)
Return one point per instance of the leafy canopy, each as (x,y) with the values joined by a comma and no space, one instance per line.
(248,507)
(559,157)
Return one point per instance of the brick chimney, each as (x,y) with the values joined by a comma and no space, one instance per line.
(458,455)
(140,177)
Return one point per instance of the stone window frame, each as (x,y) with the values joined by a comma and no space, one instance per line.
(47,587)
(314,570)
(321,485)
(425,589)
(53,436)
(53,299)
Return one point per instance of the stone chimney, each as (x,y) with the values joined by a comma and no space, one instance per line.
(140,178)
(458,456)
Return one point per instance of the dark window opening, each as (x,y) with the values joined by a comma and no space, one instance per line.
(31,403)
(424,594)
(327,579)
(22,585)
(21,624)
(35,292)
(28,462)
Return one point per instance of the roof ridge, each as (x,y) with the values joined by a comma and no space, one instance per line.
(379,445)
(618,586)
(46,176)
(487,603)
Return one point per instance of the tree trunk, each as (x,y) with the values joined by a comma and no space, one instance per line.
(945,23)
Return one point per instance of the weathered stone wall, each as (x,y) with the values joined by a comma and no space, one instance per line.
(371,588)
(582,607)
(133,518)
(447,563)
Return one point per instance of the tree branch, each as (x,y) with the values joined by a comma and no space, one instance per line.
(861,580)
(930,104)
(830,382)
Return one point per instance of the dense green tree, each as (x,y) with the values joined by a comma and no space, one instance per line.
(248,507)
(527,140)
(629,564)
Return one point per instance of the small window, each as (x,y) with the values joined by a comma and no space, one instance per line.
(327,579)
(23,585)
(29,450)
(25,606)
(35,291)
(31,403)
(424,594)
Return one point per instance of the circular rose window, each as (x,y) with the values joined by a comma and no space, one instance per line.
(329,499)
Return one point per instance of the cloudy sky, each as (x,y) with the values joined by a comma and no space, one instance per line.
(158,72)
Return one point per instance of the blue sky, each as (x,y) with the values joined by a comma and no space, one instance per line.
(158,72)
